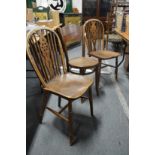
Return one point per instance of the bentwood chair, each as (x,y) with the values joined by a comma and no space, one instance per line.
(46,55)
(93,30)
(85,65)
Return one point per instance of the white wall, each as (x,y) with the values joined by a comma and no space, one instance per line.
(42,3)
(77,4)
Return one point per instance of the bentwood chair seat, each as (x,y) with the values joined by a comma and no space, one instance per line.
(69,86)
(45,52)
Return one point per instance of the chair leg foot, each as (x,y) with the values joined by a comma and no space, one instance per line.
(59,101)
(91,102)
(40,119)
(116,69)
(70,123)
(43,106)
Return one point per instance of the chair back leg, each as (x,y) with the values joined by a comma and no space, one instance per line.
(116,69)
(91,101)
(97,79)
(59,101)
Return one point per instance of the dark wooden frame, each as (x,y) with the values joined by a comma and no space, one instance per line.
(97,16)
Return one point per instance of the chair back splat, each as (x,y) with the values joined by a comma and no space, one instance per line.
(93,30)
(94,39)
(45,51)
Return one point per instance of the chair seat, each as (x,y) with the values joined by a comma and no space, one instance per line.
(114,38)
(69,85)
(104,54)
(83,62)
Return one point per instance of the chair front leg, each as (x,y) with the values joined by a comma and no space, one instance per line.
(116,69)
(70,123)
(82,72)
(99,71)
(43,106)
(91,101)
(97,79)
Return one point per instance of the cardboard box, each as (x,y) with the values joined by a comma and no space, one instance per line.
(29,14)
(48,23)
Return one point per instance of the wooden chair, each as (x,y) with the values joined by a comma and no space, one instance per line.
(94,37)
(82,63)
(46,55)
(110,25)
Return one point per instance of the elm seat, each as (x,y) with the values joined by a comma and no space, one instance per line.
(86,62)
(104,54)
(69,85)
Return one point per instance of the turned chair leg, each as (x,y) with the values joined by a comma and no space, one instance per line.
(82,72)
(91,101)
(99,72)
(116,69)
(97,79)
(43,106)
(59,101)
(70,123)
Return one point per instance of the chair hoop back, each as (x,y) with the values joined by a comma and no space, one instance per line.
(93,31)
(45,53)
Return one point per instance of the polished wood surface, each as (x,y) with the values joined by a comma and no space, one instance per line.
(45,52)
(124,35)
(83,62)
(72,34)
(69,85)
